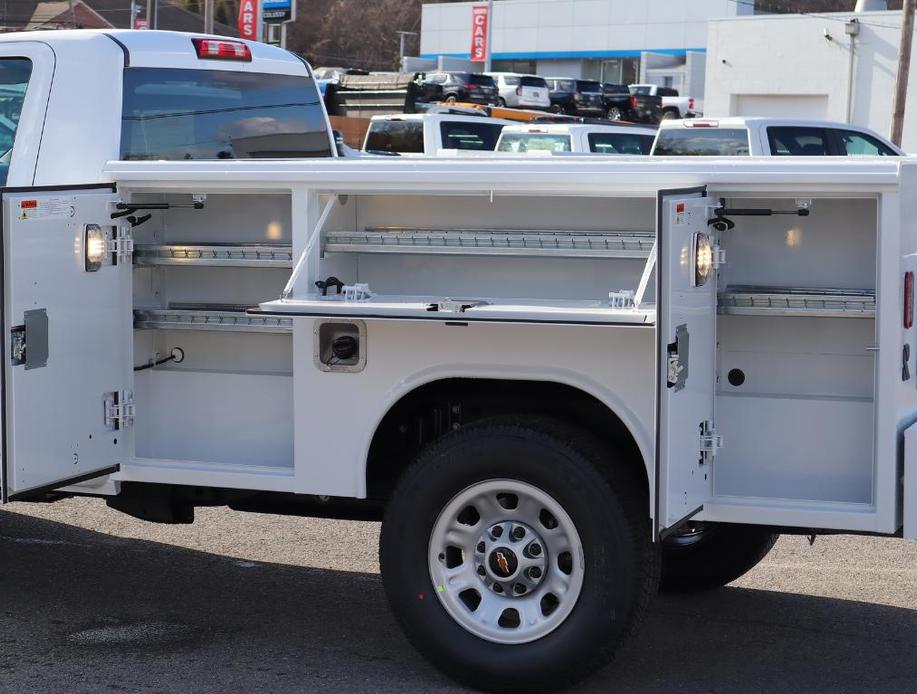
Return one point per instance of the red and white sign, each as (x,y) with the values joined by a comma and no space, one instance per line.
(249,14)
(141,23)
(479,28)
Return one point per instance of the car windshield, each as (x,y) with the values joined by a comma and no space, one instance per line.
(589,87)
(565,85)
(14,78)
(215,114)
(401,136)
(466,135)
(511,80)
(533,82)
(620,143)
(616,89)
(480,80)
(702,142)
(534,142)
(637,89)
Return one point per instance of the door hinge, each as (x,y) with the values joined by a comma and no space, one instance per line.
(119,409)
(710,442)
(121,244)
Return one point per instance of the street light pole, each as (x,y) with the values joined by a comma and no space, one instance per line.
(490,31)
(401,36)
(208,16)
(904,67)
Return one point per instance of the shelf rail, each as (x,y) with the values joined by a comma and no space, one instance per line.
(773,301)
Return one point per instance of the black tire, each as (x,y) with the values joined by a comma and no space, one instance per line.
(603,498)
(451,99)
(614,113)
(670,115)
(501,102)
(710,555)
(556,108)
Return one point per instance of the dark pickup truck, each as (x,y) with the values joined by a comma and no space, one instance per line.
(620,104)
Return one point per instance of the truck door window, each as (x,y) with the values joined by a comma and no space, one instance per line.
(14,78)
(532,142)
(403,136)
(702,142)
(786,141)
(458,135)
(620,143)
(215,114)
(855,144)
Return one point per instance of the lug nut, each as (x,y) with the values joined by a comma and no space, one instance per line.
(534,573)
(518,589)
(518,533)
(535,549)
(496,531)
(498,588)
(481,571)
(481,547)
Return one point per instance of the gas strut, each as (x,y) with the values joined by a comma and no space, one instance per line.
(721,214)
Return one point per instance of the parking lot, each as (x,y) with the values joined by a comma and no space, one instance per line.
(96,601)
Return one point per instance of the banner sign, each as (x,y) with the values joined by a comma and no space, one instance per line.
(479,29)
(249,11)
(141,23)
(277,11)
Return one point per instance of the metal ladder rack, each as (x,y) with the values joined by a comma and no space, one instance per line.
(806,302)
(210,317)
(538,242)
(215,254)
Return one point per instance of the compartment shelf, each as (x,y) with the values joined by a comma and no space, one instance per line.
(541,242)
(220,317)
(777,301)
(215,254)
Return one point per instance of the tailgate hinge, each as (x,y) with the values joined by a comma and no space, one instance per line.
(119,409)
(710,442)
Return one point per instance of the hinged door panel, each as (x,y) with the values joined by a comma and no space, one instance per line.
(66,339)
(686,438)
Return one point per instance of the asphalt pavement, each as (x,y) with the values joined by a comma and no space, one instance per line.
(94,601)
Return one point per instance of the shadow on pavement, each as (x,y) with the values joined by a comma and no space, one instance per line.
(85,611)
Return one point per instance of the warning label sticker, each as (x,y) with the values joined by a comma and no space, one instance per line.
(47,208)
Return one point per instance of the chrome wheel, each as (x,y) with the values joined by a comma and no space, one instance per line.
(506,561)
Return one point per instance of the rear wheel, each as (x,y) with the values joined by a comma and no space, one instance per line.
(511,561)
(501,102)
(557,108)
(614,113)
(703,556)
(450,99)
(670,115)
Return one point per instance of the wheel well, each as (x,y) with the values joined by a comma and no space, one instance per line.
(433,410)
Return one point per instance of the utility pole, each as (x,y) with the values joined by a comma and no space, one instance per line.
(490,33)
(904,67)
(72,16)
(402,35)
(208,16)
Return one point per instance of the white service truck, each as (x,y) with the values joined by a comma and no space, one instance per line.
(553,380)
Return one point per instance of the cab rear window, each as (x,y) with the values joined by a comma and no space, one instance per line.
(216,114)
(620,143)
(14,79)
(702,142)
(462,135)
(401,136)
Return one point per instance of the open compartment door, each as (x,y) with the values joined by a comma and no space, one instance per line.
(686,440)
(67,330)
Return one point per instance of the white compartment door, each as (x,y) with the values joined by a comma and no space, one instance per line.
(67,336)
(686,441)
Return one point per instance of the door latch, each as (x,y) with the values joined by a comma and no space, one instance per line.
(710,442)
(121,244)
(119,409)
(29,342)
(677,359)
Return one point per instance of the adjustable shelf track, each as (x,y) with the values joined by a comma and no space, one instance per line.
(215,255)
(537,242)
(803,302)
(209,317)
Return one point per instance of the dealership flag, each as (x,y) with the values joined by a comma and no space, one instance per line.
(248,19)
(479,29)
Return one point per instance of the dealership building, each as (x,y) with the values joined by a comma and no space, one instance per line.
(618,41)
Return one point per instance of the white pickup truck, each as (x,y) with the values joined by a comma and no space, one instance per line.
(554,380)
(673,105)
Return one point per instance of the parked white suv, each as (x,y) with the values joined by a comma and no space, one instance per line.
(594,139)
(768,137)
(522,91)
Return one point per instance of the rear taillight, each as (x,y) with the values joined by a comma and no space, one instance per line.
(690,103)
(519,91)
(633,102)
(908,300)
(471,87)
(218,49)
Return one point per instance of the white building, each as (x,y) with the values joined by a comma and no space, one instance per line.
(619,41)
(809,67)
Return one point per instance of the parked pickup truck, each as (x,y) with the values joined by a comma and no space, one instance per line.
(673,105)
(620,104)
(553,380)
(768,137)
(418,134)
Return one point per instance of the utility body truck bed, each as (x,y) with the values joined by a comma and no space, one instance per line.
(547,375)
